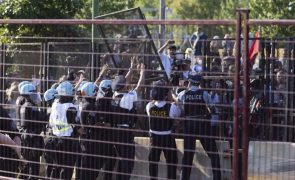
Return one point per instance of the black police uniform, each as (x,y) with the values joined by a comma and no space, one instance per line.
(105,133)
(92,162)
(81,148)
(123,137)
(195,112)
(31,126)
(68,146)
(9,166)
(19,102)
(49,145)
(161,140)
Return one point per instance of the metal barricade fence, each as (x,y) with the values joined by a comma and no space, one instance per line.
(121,140)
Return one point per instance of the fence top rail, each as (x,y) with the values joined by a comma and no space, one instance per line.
(263,22)
(267,22)
(117,22)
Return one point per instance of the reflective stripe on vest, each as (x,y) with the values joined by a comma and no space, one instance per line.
(58,119)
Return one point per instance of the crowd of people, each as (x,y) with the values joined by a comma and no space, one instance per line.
(91,125)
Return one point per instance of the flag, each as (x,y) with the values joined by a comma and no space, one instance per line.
(254,48)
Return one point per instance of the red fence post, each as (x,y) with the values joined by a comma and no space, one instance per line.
(235,163)
(246,95)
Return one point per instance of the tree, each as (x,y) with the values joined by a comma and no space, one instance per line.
(105,7)
(54,9)
(197,9)
(36,9)
(273,9)
(263,9)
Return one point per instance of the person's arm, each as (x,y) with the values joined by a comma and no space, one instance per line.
(81,78)
(193,39)
(161,50)
(175,111)
(130,72)
(206,98)
(103,71)
(6,140)
(72,119)
(141,79)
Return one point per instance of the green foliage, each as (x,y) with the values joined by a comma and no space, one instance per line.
(107,6)
(273,9)
(36,9)
(181,9)
(149,8)
(263,9)
(198,9)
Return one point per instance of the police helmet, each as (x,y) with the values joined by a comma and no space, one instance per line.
(21,84)
(89,89)
(50,94)
(65,89)
(54,86)
(195,77)
(159,92)
(105,85)
(118,83)
(81,84)
(27,89)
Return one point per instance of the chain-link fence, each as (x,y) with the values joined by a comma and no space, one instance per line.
(109,106)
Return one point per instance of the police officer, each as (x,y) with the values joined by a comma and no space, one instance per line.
(160,121)
(195,110)
(49,97)
(123,120)
(65,125)
(20,100)
(31,126)
(91,163)
(8,136)
(78,101)
(212,127)
(105,124)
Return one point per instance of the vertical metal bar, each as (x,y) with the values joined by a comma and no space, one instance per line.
(2,73)
(4,81)
(267,87)
(262,86)
(287,123)
(96,62)
(150,41)
(272,88)
(246,92)
(236,98)
(107,46)
(292,114)
(162,27)
(43,84)
(94,34)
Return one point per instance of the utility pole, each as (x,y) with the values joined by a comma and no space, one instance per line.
(162,26)
(94,34)
(94,14)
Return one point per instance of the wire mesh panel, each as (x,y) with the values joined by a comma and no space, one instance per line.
(272,111)
(21,62)
(129,40)
(64,57)
(171,112)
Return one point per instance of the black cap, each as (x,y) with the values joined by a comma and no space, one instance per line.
(172,47)
(195,77)
(159,92)
(118,83)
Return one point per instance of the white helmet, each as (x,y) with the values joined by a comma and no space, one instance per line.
(27,89)
(50,94)
(65,89)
